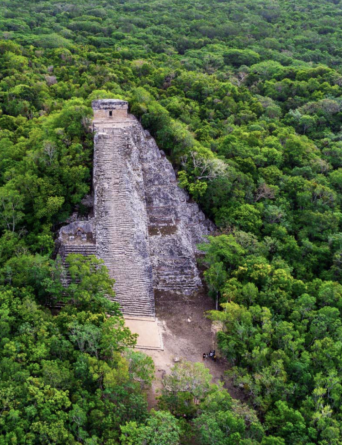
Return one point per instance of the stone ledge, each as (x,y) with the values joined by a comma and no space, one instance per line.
(148,330)
(106,104)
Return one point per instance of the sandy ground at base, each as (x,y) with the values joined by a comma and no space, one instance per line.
(149,332)
(187,333)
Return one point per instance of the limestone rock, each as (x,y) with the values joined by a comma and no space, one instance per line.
(144,227)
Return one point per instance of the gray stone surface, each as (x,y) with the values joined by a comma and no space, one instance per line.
(144,227)
(108,104)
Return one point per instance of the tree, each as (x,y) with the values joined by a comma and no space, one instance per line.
(12,205)
(161,429)
(287,423)
(90,284)
(141,367)
(247,217)
(187,383)
(193,378)
(223,429)
(215,277)
(238,57)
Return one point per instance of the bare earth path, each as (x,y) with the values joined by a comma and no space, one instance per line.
(187,333)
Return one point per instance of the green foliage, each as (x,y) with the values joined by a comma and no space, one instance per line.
(214,416)
(275,329)
(61,374)
(161,429)
(238,57)
(245,99)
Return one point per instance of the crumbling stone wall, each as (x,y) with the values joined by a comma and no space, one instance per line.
(144,227)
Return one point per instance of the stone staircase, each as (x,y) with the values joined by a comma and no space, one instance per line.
(121,221)
(83,249)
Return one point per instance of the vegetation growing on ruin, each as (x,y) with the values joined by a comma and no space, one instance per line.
(246,100)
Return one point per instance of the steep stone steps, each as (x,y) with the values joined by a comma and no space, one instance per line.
(121,231)
(83,249)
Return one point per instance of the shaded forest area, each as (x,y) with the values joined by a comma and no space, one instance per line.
(245,99)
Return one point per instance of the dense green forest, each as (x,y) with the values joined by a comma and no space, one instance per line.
(245,98)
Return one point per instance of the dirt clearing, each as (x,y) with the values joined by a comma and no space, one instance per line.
(187,334)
